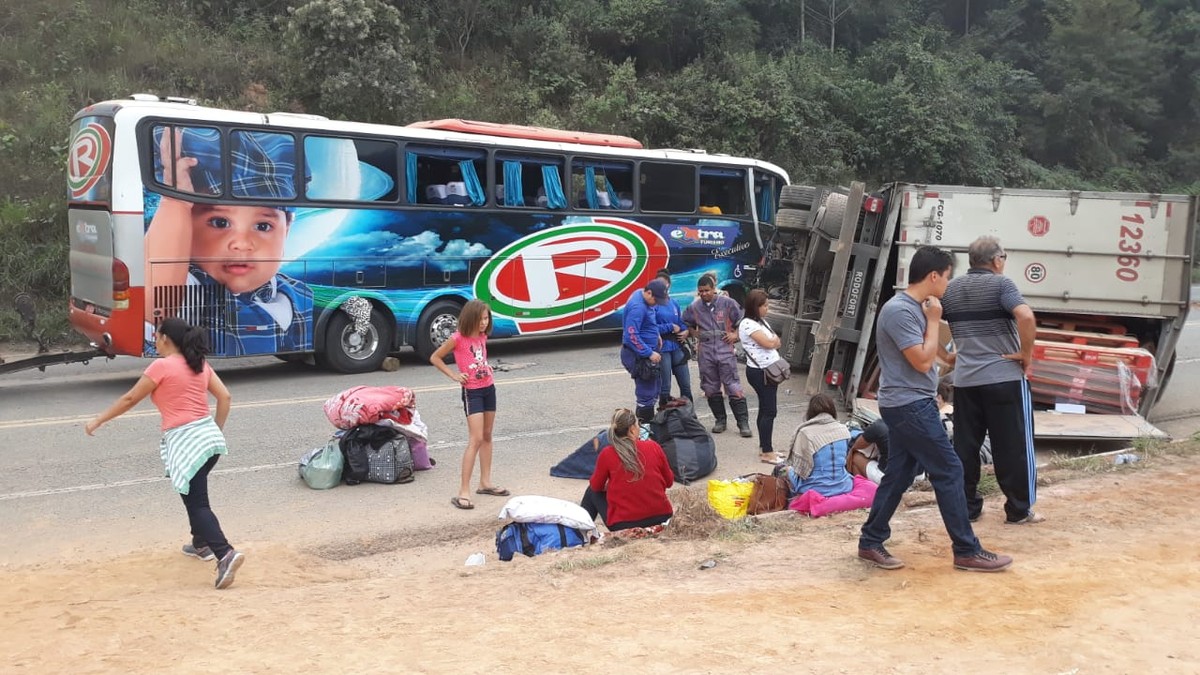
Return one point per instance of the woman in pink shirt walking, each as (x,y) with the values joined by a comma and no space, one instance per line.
(469,345)
(179,384)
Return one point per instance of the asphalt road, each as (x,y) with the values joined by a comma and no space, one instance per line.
(63,493)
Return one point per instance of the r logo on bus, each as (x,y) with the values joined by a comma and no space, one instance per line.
(87,159)
(570,275)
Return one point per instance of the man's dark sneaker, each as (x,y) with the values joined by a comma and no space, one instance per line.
(879,557)
(719,426)
(974,517)
(227,567)
(984,561)
(202,553)
(1029,519)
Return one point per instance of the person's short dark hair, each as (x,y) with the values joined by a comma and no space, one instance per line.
(945,390)
(821,403)
(928,259)
(664,273)
(706,281)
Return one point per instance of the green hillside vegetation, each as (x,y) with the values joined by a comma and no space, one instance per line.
(1092,94)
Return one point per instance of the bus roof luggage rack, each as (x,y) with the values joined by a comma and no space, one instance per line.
(530,133)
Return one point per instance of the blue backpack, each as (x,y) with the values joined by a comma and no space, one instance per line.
(536,538)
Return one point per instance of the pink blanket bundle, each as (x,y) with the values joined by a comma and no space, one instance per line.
(816,505)
(368,405)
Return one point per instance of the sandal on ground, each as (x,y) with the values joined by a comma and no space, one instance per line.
(462,503)
(493,491)
(770,459)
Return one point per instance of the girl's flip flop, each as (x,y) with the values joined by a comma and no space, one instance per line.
(493,491)
(462,503)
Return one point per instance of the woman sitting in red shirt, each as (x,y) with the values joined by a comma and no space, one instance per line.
(629,486)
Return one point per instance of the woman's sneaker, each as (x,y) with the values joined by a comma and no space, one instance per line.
(227,567)
(202,553)
(984,561)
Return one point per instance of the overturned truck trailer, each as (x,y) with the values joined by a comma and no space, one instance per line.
(1107,274)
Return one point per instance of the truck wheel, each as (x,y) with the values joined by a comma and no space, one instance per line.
(792,219)
(348,351)
(438,322)
(828,220)
(797,197)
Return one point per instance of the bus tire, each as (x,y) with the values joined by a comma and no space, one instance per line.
(792,220)
(797,197)
(438,322)
(346,351)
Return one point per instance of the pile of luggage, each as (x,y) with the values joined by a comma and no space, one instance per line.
(380,439)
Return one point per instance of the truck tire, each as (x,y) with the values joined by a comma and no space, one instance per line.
(347,351)
(828,219)
(797,197)
(438,322)
(792,220)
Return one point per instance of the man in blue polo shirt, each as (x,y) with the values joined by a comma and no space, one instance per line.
(906,339)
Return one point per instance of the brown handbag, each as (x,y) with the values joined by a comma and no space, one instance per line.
(770,494)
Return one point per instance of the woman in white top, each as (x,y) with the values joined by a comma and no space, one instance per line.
(760,344)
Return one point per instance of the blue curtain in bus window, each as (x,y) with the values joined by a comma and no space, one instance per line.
(513,192)
(589,177)
(471,178)
(614,201)
(410,176)
(552,184)
(766,205)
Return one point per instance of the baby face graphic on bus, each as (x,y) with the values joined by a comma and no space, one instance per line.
(230,283)
(238,246)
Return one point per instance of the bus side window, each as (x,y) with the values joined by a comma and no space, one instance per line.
(723,191)
(530,181)
(669,188)
(350,169)
(169,144)
(263,165)
(601,184)
(445,175)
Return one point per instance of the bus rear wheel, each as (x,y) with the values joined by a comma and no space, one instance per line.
(438,322)
(349,351)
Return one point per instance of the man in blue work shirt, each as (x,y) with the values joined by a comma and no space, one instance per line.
(640,342)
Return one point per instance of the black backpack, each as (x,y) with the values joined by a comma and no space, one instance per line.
(690,448)
(376,454)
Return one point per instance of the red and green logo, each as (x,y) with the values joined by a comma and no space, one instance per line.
(87,160)
(570,275)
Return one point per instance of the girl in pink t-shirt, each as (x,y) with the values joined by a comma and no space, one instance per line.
(179,384)
(469,345)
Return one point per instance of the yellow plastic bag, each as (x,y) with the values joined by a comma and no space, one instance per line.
(730,498)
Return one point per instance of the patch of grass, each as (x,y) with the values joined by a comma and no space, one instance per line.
(988,485)
(576,563)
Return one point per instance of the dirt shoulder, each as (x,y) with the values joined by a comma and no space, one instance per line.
(1110,583)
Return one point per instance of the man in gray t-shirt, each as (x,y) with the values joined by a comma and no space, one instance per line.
(994,330)
(906,340)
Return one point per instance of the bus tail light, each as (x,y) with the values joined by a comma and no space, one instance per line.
(120,277)
(833,378)
(873,204)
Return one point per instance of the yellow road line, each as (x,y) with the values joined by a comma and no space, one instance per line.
(77,419)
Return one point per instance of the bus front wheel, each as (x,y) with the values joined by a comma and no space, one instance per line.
(438,322)
(349,351)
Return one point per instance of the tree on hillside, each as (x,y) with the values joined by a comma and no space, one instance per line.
(353,61)
(1102,73)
